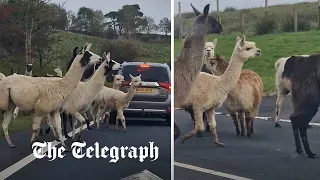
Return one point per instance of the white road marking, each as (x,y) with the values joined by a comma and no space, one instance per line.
(209,171)
(25,161)
(144,175)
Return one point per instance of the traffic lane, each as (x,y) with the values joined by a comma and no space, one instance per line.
(269,154)
(268,105)
(101,168)
(188,174)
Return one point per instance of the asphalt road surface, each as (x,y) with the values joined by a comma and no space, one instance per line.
(139,133)
(269,154)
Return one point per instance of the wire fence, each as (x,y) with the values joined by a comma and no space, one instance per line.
(252,16)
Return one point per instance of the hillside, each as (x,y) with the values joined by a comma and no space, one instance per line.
(273,46)
(307,17)
(120,49)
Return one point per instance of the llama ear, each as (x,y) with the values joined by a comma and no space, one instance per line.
(139,76)
(206,10)
(88,47)
(108,56)
(215,42)
(238,38)
(84,48)
(112,75)
(242,40)
(130,76)
(195,10)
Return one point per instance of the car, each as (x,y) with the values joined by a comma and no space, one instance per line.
(153,98)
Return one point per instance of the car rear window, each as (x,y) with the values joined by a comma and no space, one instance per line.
(148,73)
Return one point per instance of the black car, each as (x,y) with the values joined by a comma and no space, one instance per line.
(153,97)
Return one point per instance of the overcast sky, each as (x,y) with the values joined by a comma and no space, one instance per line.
(239,4)
(157,9)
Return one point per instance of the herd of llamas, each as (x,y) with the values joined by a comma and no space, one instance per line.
(198,69)
(75,96)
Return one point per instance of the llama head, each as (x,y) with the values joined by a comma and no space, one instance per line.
(118,80)
(211,24)
(111,65)
(88,57)
(58,71)
(29,68)
(246,49)
(209,48)
(135,81)
(218,65)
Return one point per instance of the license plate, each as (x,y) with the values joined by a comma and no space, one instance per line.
(145,90)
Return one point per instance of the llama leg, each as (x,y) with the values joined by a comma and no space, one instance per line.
(280,97)
(99,116)
(75,122)
(82,121)
(122,119)
(84,115)
(51,126)
(242,119)
(106,118)
(249,121)
(5,124)
(198,118)
(15,112)
(304,138)
(57,119)
(64,121)
(207,125)
(213,124)
(35,128)
(235,121)
(176,131)
(252,131)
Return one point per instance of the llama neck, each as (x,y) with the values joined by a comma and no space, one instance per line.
(130,93)
(28,73)
(115,86)
(73,76)
(221,67)
(98,78)
(231,75)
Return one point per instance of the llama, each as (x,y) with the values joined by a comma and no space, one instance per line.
(117,83)
(44,96)
(283,86)
(303,73)
(111,99)
(201,100)
(243,101)
(188,64)
(28,71)
(2,76)
(85,93)
(209,48)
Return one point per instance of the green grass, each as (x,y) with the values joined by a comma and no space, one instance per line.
(273,46)
(61,54)
(307,12)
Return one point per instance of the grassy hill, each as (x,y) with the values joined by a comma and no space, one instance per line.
(273,46)
(281,14)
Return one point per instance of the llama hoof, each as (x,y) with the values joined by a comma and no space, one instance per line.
(219,144)
(67,136)
(277,125)
(89,128)
(242,133)
(248,135)
(125,130)
(299,151)
(199,134)
(13,146)
(313,156)
(310,126)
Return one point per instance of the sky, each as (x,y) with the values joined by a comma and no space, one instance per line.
(238,4)
(157,9)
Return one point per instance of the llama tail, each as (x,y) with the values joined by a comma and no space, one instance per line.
(277,63)
(4,96)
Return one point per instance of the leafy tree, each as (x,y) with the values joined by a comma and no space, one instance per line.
(165,25)
(150,24)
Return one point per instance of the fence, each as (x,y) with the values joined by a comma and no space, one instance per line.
(252,16)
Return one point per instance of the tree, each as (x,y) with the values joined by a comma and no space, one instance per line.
(165,25)
(89,21)
(151,26)
(33,17)
(130,18)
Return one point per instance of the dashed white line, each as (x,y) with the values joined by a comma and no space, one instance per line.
(209,171)
(25,161)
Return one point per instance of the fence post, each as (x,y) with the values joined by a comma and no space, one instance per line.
(218,12)
(242,22)
(295,20)
(266,7)
(318,14)
(180,19)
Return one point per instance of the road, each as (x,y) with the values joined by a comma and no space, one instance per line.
(269,154)
(139,133)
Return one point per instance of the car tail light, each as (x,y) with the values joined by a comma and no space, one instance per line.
(144,65)
(126,83)
(165,85)
(169,108)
